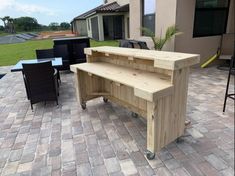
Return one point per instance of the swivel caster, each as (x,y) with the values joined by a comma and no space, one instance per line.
(150,155)
(179,140)
(83,105)
(135,115)
(105,99)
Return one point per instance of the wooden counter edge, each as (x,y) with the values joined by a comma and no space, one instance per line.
(73,68)
(151,97)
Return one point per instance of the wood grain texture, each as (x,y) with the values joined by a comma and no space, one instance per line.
(152,84)
(146,85)
(162,59)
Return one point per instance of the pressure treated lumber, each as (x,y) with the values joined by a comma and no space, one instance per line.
(153,84)
(162,59)
(146,85)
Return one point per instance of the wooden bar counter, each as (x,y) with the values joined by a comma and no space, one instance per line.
(153,84)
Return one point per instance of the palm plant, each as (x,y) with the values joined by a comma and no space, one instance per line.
(159,42)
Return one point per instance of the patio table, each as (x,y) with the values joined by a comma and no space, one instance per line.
(56,63)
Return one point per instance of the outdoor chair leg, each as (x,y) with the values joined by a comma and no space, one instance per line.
(31,106)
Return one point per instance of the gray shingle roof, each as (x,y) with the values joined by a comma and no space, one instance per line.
(104,8)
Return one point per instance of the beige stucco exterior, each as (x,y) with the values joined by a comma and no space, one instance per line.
(205,46)
(79,27)
(181,14)
(120,2)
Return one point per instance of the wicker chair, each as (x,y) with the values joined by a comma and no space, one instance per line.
(40,82)
(45,54)
(63,51)
(133,44)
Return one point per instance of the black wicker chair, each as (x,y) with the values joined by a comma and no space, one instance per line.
(133,44)
(45,54)
(40,82)
(63,51)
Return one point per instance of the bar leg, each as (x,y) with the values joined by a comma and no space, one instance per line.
(80,90)
(151,122)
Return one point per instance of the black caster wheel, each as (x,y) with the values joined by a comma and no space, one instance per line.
(105,100)
(135,115)
(83,105)
(150,155)
(179,140)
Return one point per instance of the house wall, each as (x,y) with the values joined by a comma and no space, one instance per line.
(120,2)
(181,14)
(80,27)
(127,25)
(205,46)
(231,18)
(136,22)
(165,17)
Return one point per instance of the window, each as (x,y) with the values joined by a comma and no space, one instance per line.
(210,17)
(148,18)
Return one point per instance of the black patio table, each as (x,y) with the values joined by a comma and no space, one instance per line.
(56,63)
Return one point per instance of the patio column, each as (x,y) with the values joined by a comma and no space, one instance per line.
(101,27)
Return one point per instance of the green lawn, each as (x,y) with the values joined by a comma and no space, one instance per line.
(10,54)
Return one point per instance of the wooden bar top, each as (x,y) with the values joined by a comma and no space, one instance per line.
(162,59)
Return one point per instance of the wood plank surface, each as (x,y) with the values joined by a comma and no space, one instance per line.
(162,59)
(146,85)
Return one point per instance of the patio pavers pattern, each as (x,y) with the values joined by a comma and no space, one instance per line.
(106,140)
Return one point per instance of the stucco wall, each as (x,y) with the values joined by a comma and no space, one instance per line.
(181,13)
(135,19)
(165,17)
(205,46)
(80,28)
(120,2)
(231,19)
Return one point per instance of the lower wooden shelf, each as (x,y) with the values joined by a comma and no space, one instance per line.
(147,85)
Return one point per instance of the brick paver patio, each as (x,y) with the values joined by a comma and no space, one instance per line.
(106,140)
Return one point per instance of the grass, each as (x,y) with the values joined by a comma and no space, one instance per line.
(10,54)
(3,34)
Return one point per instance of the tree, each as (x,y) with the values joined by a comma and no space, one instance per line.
(26,24)
(1,28)
(5,21)
(54,26)
(11,26)
(64,26)
(159,42)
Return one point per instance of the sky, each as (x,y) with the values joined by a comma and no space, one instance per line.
(46,11)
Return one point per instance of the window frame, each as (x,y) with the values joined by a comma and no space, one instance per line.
(211,9)
(142,17)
